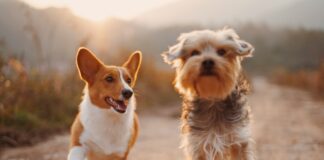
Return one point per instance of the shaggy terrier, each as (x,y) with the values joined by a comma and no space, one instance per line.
(209,76)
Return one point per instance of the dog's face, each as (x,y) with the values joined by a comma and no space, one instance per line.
(108,86)
(207,62)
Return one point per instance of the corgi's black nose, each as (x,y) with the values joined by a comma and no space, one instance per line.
(127,93)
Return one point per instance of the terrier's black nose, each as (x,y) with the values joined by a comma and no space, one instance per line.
(127,93)
(208,64)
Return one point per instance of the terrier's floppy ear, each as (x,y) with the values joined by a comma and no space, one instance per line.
(133,64)
(244,48)
(88,64)
(175,51)
(240,47)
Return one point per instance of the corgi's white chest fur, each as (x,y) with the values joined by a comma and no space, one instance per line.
(105,130)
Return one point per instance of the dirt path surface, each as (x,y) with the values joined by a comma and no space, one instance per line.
(288,125)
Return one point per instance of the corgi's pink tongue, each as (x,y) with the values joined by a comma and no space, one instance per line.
(118,106)
(121,107)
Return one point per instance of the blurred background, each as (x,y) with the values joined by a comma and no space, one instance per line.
(40,88)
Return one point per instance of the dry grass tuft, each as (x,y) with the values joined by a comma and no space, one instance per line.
(310,80)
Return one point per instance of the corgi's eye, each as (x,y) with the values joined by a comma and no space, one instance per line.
(195,53)
(109,79)
(129,81)
(221,52)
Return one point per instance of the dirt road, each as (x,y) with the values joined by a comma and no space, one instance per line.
(288,125)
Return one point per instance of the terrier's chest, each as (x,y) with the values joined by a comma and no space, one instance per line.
(223,116)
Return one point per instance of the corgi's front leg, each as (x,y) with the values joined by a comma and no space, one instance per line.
(77,150)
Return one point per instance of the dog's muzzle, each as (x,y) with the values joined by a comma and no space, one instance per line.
(207,67)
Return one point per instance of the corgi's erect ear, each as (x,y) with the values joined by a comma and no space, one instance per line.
(88,64)
(133,64)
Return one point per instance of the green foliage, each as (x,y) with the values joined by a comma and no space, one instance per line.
(35,103)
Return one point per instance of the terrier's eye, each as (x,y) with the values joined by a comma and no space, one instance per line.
(129,81)
(109,79)
(195,53)
(221,52)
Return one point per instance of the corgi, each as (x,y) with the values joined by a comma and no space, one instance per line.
(106,126)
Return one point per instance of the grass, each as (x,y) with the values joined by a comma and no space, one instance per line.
(310,80)
(34,104)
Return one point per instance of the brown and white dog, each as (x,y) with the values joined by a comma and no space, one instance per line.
(106,126)
(215,116)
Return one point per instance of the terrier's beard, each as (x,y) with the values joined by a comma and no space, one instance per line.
(214,87)
(190,82)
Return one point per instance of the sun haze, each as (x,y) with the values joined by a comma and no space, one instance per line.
(99,10)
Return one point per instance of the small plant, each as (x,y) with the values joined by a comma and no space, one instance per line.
(34,104)
(310,80)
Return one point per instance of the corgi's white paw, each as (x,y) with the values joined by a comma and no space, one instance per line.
(77,153)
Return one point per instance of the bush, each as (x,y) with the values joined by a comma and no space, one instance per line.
(35,104)
(311,80)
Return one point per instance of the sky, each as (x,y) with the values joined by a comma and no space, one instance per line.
(99,10)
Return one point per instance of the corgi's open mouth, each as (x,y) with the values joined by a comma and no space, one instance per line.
(118,105)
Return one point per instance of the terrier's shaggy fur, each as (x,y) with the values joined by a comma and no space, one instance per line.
(215,116)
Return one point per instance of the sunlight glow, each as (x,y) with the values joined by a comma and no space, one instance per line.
(99,10)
